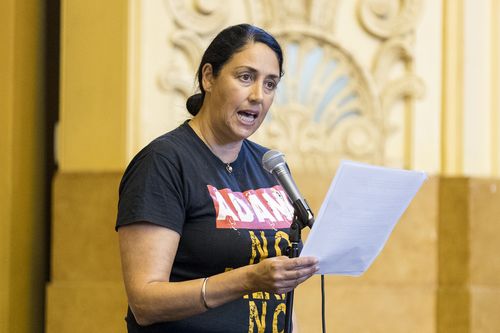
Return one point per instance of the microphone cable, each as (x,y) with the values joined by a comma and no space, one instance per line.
(323,320)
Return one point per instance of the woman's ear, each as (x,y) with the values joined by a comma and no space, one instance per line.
(207,77)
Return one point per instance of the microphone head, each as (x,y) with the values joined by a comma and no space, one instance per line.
(272,159)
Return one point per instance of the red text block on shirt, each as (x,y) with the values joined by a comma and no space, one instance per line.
(264,208)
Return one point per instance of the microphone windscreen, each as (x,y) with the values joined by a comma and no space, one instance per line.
(271,159)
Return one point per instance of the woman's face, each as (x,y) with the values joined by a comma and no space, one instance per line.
(240,96)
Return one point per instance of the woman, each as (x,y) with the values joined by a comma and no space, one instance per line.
(202,227)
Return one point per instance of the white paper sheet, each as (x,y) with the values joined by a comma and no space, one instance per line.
(361,208)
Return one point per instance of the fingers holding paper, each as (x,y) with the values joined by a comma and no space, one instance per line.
(282,274)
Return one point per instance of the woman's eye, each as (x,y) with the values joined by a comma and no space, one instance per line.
(270,85)
(245,77)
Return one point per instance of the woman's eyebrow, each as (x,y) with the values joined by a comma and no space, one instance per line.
(253,70)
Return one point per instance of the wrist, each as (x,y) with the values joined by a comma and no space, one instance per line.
(249,280)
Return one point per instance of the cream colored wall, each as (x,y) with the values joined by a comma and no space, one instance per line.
(166,80)
(471,112)
(495,91)
(427,118)
(23,226)
(123,89)
(477,130)
(451,138)
(452,128)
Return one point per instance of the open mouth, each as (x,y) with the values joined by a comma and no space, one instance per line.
(247,117)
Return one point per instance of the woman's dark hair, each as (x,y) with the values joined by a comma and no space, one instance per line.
(228,42)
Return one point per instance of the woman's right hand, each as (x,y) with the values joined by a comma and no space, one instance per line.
(280,275)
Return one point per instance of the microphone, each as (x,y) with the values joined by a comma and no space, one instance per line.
(273,162)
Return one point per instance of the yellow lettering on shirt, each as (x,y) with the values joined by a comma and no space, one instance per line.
(280,236)
(258,246)
(257,320)
(281,308)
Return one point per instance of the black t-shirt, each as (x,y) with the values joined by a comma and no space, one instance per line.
(226,220)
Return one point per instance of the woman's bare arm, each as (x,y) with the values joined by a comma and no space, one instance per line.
(147,254)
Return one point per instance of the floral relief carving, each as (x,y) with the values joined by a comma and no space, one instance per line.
(201,16)
(389,18)
(298,13)
(328,106)
(394,23)
(196,21)
(325,109)
(178,79)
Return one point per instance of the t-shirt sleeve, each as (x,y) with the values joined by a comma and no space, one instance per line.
(151,191)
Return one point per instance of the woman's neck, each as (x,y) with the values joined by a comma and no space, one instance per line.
(227,152)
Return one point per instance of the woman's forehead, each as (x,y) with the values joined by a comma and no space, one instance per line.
(258,56)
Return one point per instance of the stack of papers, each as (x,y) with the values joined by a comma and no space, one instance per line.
(361,208)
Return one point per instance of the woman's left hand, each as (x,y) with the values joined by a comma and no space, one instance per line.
(281,274)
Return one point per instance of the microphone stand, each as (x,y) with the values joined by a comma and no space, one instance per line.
(301,218)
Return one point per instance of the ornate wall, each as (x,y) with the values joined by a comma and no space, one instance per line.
(349,85)
(382,81)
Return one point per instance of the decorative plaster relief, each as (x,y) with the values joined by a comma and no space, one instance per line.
(328,106)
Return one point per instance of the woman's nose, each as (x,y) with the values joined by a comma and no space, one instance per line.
(257,93)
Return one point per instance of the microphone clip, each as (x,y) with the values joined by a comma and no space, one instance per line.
(302,217)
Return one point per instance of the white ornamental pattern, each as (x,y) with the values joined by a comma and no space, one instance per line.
(328,106)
